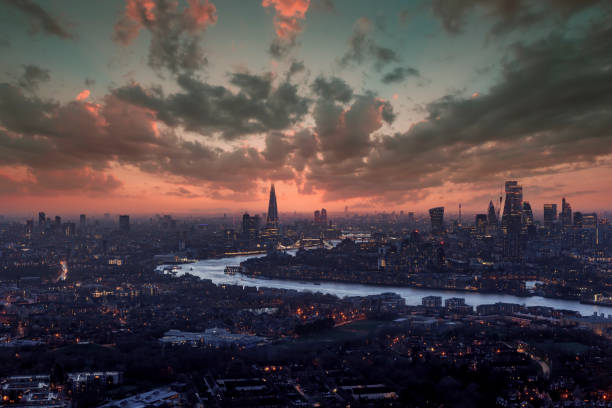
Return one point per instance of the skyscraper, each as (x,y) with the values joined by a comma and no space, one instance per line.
(124,223)
(513,203)
(481,223)
(566,213)
(250,226)
(578,219)
(317,217)
(550,215)
(42,217)
(512,219)
(272,219)
(437,219)
(527,214)
(82,221)
(323,216)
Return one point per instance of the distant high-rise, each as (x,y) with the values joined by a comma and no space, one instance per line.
(491,216)
(589,220)
(437,219)
(513,203)
(272,218)
(58,221)
(550,215)
(124,223)
(250,226)
(566,213)
(30,227)
(317,217)
(578,219)
(481,223)
(82,221)
(527,214)
(69,229)
(323,216)
(42,217)
(512,219)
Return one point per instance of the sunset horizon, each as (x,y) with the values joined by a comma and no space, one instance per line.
(196,107)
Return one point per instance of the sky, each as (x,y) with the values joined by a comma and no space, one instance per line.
(197,106)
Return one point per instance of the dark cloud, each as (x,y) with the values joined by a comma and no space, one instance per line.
(508,15)
(81,141)
(295,68)
(90,82)
(47,182)
(362,47)
(40,19)
(550,112)
(332,89)
(183,193)
(399,74)
(175,34)
(345,134)
(32,76)
(200,107)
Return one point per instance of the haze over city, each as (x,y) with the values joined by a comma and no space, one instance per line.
(306,203)
(195,107)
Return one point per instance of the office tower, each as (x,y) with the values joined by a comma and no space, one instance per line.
(58,221)
(512,236)
(550,215)
(437,219)
(512,220)
(82,221)
(527,214)
(250,226)
(578,219)
(317,217)
(566,213)
(124,223)
(528,226)
(481,223)
(69,229)
(41,219)
(323,216)
(491,215)
(513,203)
(30,227)
(272,218)
(589,221)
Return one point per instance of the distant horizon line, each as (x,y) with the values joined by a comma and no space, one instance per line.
(221,214)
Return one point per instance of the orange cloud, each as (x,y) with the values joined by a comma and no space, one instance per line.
(84,94)
(200,14)
(140,10)
(288,16)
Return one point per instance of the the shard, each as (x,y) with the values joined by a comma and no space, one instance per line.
(272,219)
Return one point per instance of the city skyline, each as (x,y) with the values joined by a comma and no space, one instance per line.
(196,107)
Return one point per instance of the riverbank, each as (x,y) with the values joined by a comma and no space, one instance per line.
(213,270)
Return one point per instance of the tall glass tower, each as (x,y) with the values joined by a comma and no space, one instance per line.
(272,219)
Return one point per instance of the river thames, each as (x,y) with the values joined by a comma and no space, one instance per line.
(213,269)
